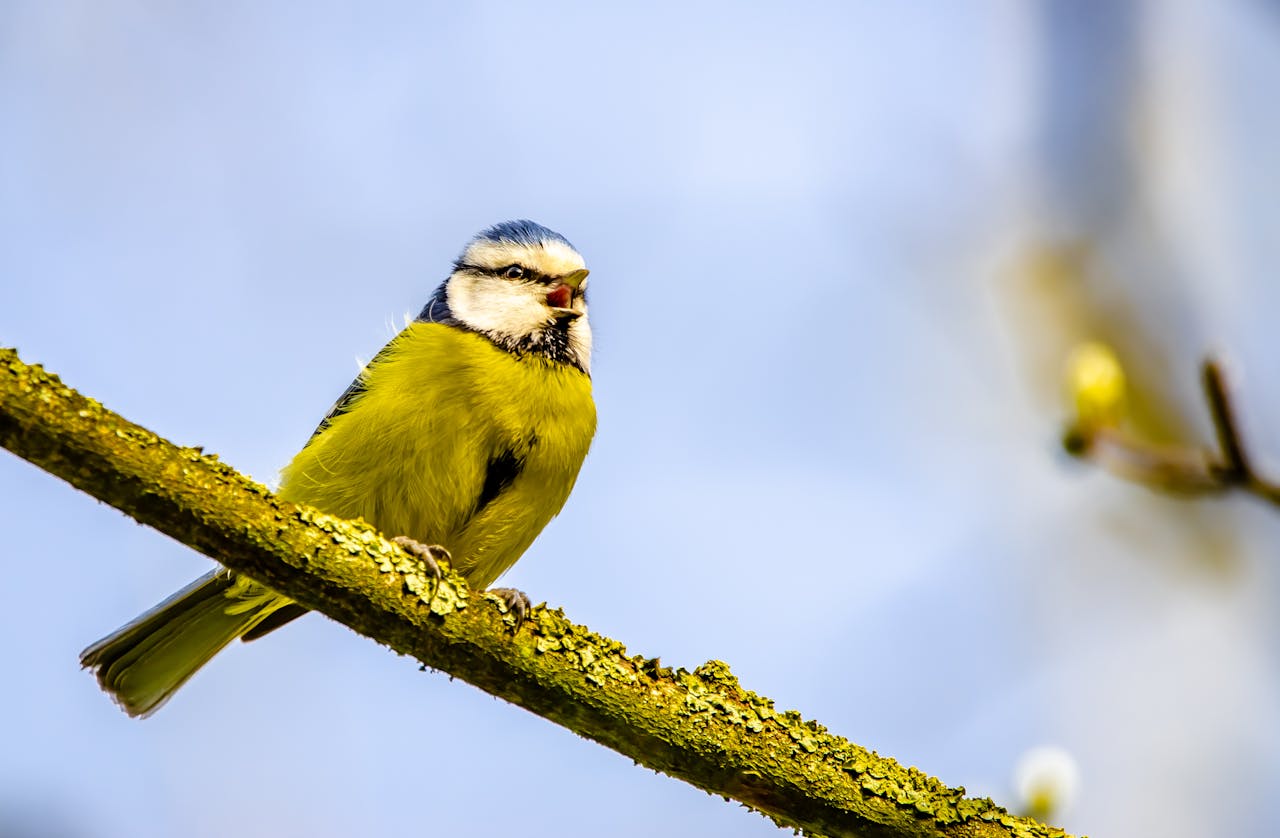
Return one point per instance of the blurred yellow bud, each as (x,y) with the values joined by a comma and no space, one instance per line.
(1046,779)
(1096,380)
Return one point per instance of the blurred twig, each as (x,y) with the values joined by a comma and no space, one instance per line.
(1097,434)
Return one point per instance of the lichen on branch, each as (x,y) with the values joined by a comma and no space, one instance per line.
(700,726)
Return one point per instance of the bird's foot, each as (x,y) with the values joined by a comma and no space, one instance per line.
(516,601)
(430,554)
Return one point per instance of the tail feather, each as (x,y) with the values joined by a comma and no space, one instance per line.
(143,663)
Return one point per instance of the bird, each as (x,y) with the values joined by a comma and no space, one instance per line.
(462,438)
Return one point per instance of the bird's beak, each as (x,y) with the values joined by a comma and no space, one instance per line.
(575,279)
(560,298)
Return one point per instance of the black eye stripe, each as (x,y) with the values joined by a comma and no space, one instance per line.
(530,274)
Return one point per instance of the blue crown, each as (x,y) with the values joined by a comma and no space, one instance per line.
(521,231)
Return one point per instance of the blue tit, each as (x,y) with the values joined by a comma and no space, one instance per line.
(464,434)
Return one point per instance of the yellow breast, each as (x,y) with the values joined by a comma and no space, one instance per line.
(453,442)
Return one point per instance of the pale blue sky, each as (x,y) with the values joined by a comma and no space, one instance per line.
(820,457)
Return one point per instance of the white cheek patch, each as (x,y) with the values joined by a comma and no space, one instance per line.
(515,314)
(498,306)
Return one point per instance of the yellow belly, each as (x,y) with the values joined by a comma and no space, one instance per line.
(411,453)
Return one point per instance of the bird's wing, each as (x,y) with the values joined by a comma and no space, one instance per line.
(342,405)
(355,388)
(292,611)
(435,311)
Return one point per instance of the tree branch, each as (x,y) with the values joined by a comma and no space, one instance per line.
(699,726)
(1180,469)
(1235,466)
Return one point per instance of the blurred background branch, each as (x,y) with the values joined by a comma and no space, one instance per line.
(1098,433)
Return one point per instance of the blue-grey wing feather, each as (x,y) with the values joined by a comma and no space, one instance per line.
(435,311)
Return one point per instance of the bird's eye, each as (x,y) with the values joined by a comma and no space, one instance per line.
(513,272)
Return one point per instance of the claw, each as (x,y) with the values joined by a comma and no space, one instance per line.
(430,554)
(516,600)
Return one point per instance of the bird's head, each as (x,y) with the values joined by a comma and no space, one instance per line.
(522,286)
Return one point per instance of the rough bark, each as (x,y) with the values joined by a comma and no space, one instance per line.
(699,726)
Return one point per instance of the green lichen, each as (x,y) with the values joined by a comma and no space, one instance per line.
(600,661)
(441,596)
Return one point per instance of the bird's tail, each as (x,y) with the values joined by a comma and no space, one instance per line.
(144,662)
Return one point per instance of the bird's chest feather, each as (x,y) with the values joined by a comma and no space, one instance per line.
(454,441)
